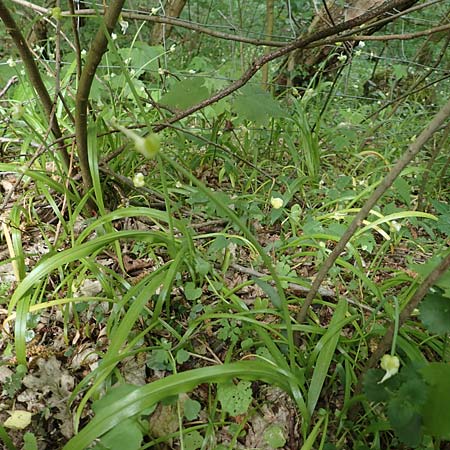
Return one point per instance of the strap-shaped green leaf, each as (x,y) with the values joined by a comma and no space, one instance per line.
(146,396)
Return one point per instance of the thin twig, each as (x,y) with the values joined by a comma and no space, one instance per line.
(298,288)
(9,83)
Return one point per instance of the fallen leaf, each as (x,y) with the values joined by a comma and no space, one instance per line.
(18,420)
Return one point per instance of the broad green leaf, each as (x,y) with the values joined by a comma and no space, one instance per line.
(191,292)
(435,313)
(202,266)
(373,390)
(254,104)
(191,409)
(29,442)
(405,421)
(159,359)
(436,411)
(182,356)
(126,435)
(414,390)
(404,190)
(186,93)
(399,70)
(193,440)
(141,56)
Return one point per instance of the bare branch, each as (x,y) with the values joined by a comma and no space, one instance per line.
(386,37)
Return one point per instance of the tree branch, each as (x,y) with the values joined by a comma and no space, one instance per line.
(298,44)
(94,56)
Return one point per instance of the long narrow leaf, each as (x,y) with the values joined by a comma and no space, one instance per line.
(146,396)
(52,263)
(75,253)
(146,288)
(309,442)
(327,345)
(154,214)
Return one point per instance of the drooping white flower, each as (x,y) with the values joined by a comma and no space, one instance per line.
(390,364)
(123,26)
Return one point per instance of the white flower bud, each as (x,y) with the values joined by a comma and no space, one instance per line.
(276,202)
(138,180)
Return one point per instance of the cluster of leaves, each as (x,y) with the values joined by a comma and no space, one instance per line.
(320,179)
(416,401)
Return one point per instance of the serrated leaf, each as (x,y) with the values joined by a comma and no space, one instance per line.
(186,93)
(436,411)
(235,398)
(374,391)
(435,313)
(254,104)
(158,359)
(191,409)
(408,431)
(414,391)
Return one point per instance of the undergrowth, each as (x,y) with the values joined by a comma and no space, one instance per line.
(159,307)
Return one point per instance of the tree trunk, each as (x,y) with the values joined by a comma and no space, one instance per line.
(300,67)
(161,31)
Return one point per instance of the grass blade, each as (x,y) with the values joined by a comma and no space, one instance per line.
(326,347)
